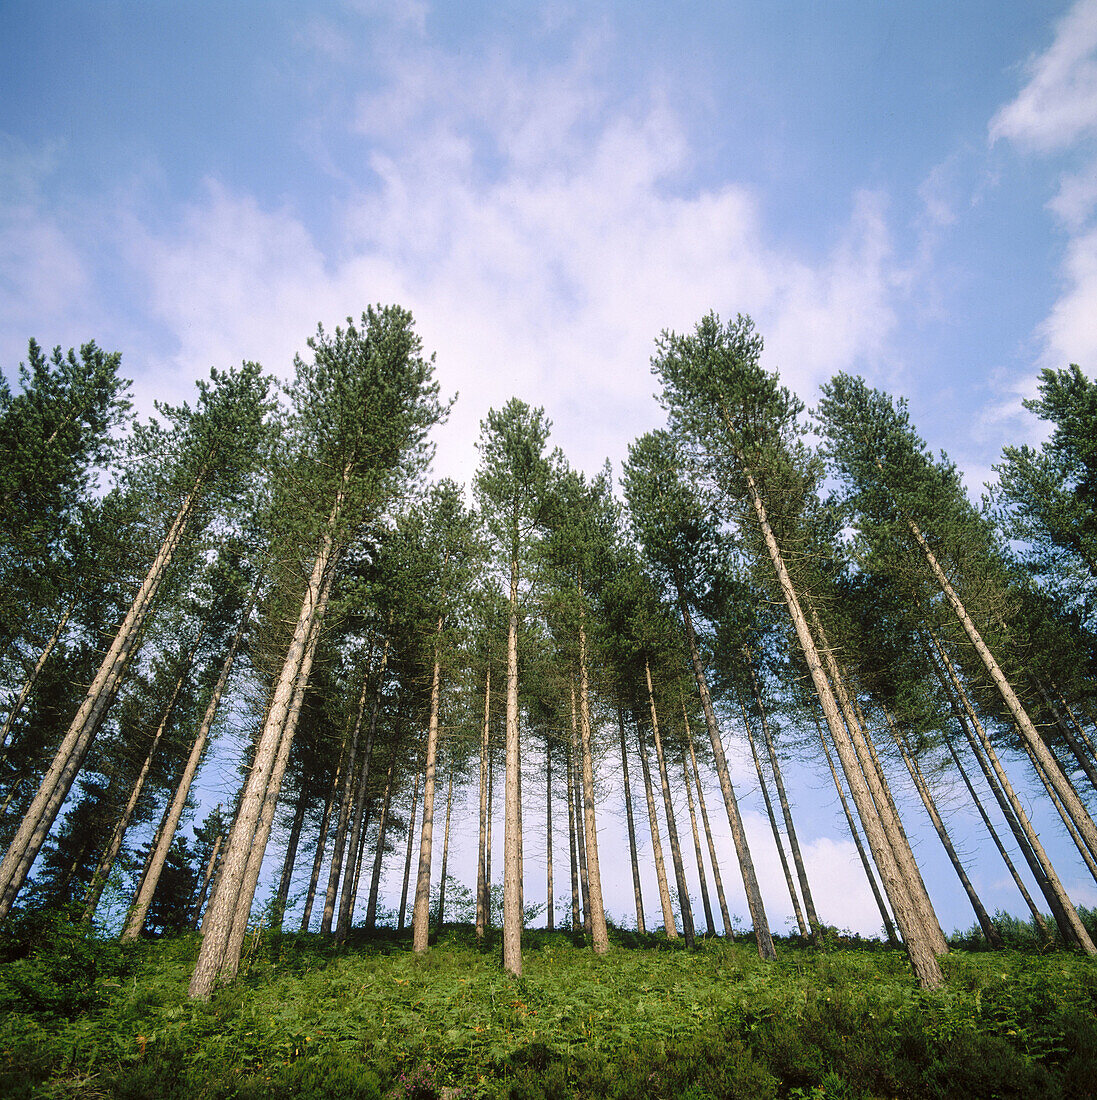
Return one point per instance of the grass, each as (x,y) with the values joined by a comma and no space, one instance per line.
(85,1018)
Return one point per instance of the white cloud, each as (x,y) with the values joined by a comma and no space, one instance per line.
(1069,329)
(1058,105)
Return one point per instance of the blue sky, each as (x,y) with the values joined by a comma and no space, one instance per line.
(903,191)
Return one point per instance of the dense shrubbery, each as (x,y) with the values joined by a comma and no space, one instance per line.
(83,1017)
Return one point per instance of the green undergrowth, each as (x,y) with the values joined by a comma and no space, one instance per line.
(81,1017)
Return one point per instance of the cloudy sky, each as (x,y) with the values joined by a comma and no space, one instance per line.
(904,191)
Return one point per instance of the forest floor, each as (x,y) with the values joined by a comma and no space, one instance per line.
(83,1017)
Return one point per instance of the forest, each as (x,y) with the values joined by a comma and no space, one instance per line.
(270,574)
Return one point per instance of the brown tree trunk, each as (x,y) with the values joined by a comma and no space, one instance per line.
(297,665)
(420,919)
(672,827)
(716,877)
(981,915)
(796,909)
(135,919)
(445,853)
(292,843)
(379,855)
(599,931)
(550,923)
(656,843)
(1079,843)
(631,826)
(210,865)
(512,829)
(410,846)
(580,816)
(322,837)
(69,758)
(786,811)
(573,838)
(710,924)
(482,900)
(762,933)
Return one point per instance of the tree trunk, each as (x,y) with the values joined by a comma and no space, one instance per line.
(762,933)
(1062,908)
(632,827)
(410,847)
(114,845)
(901,850)
(482,900)
(889,928)
(135,919)
(31,680)
(361,815)
(487,841)
(346,802)
(512,885)
(1079,843)
(445,854)
(599,932)
(656,843)
(580,816)
(981,915)
(1037,916)
(796,909)
(786,811)
(1082,821)
(710,924)
(210,865)
(421,911)
(322,838)
(297,664)
(379,855)
(69,758)
(550,923)
(286,877)
(716,877)
(1085,762)
(573,839)
(672,828)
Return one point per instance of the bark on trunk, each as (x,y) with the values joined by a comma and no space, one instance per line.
(725,916)
(210,865)
(656,843)
(1079,843)
(551,907)
(69,758)
(762,933)
(512,885)
(710,924)
(135,919)
(223,905)
(599,932)
(981,915)
(410,847)
(379,855)
(445,855)
(631,827)
(786,810)
(421,912)
(573,842)
(684,906)
(580,816)
(322,838)
(292,843)
(482,901)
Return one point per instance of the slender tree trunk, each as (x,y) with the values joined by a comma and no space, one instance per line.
(580,816)
(599,931)
(1037,916)
(291,858)
(632,827)
(1062,908)
(346,802)
(410,846)
(241,842)
(672,827)
(445,855)
(762,933)
(1082,821)
(421,912)
(491,830)
(135,919)
(210,865)
(551,914)
(573,839)
(482,899)
(981,915)
(724,914)
(512,884)
(1085,762)
(114,845)
(656,843)
(901,850)
(379,855)
(1079,843)
(710,924)
(69,758)
(786,810)
(322,838)
(885,916)
(32,679)
(361,813)
(801,924)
